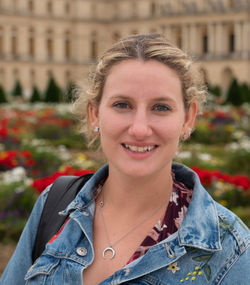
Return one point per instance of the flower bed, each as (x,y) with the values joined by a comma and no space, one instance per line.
(40,142)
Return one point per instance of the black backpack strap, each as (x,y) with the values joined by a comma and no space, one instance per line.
(62,192)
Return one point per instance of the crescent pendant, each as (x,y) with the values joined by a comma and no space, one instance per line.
(107,249)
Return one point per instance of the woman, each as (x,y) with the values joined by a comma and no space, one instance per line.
(140,219)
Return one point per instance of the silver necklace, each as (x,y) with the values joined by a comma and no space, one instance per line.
(109,251)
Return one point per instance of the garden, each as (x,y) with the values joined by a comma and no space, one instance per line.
(40,141)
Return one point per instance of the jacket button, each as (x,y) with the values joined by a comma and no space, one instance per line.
(82,251)
(86,214)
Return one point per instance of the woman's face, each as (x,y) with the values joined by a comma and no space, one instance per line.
(141,117)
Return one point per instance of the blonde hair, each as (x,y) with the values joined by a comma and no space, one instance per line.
(142,47)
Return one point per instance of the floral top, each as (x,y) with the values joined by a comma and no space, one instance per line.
(169,224)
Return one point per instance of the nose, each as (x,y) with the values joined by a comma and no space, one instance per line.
(140,126)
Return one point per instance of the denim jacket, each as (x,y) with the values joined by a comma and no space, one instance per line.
(210,247)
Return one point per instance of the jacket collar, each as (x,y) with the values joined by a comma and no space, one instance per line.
(88,192)
(200,226)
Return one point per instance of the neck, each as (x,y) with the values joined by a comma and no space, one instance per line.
(138,194)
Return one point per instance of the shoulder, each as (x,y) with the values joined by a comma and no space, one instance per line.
(235,254)
(233,225)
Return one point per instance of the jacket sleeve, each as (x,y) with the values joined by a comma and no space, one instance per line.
(238,273)
(21,260)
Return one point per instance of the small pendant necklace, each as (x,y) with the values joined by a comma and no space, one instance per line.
(109,251)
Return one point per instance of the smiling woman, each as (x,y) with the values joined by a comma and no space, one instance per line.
(141,117)
(140,219)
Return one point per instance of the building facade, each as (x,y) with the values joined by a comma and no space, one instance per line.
(62,38)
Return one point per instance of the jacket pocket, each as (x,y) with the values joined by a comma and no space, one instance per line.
(43,268)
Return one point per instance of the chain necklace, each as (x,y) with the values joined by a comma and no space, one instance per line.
(109,251)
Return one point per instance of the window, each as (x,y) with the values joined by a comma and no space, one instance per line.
(31,47)
(116,36)
(153,8)
(15,74)
(31,5)
(231,4)
(178,37)
(31,44)
(204,44)
(93,48)
(67,8)
(93,45)
(1,41)
(32,77)
(67,45)
(50,44)
(49,7)
(2,76)
(231,42)
(14,42)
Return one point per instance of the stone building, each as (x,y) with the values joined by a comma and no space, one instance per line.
(40,38)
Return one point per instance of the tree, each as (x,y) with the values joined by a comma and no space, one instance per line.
(17,90)
(2,95)
(245,92)
(53,92)
(234,95)
(69,94)
(35,96)
(215,90)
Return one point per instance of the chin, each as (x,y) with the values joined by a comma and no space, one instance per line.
(139,172)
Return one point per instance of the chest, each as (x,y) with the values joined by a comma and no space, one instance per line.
(123,243)
(62,263)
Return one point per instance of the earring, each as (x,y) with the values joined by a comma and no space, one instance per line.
(96,129)
(184,136)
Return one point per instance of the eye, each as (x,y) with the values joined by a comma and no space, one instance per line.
(121,105)
(161,108)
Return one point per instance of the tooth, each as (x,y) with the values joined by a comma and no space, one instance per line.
(139,149)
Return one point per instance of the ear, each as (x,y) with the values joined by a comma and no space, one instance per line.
(93,112)
(190,117)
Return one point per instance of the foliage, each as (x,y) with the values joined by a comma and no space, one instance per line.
(2,95)
(245,90)
(215,90)
(45,162)
(35,96)
(237,161)
(53,92)
(69,94)
(219,126)
(41,142)
(238,94)
(17,90)
(16,202)
(244,213)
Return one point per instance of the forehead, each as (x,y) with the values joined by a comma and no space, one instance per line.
(134,76)
(131,66)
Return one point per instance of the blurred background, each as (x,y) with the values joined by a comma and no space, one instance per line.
(48,47)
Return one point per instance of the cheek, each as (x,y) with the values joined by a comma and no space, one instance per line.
(110,126)
(170,129)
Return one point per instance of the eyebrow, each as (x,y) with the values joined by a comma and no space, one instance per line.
(157,99)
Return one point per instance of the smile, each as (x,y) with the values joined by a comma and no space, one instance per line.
(139,148)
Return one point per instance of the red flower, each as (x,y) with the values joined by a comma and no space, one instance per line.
(42,183)
(3,132)
(207,177)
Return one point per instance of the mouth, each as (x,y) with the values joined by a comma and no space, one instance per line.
(140,149)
